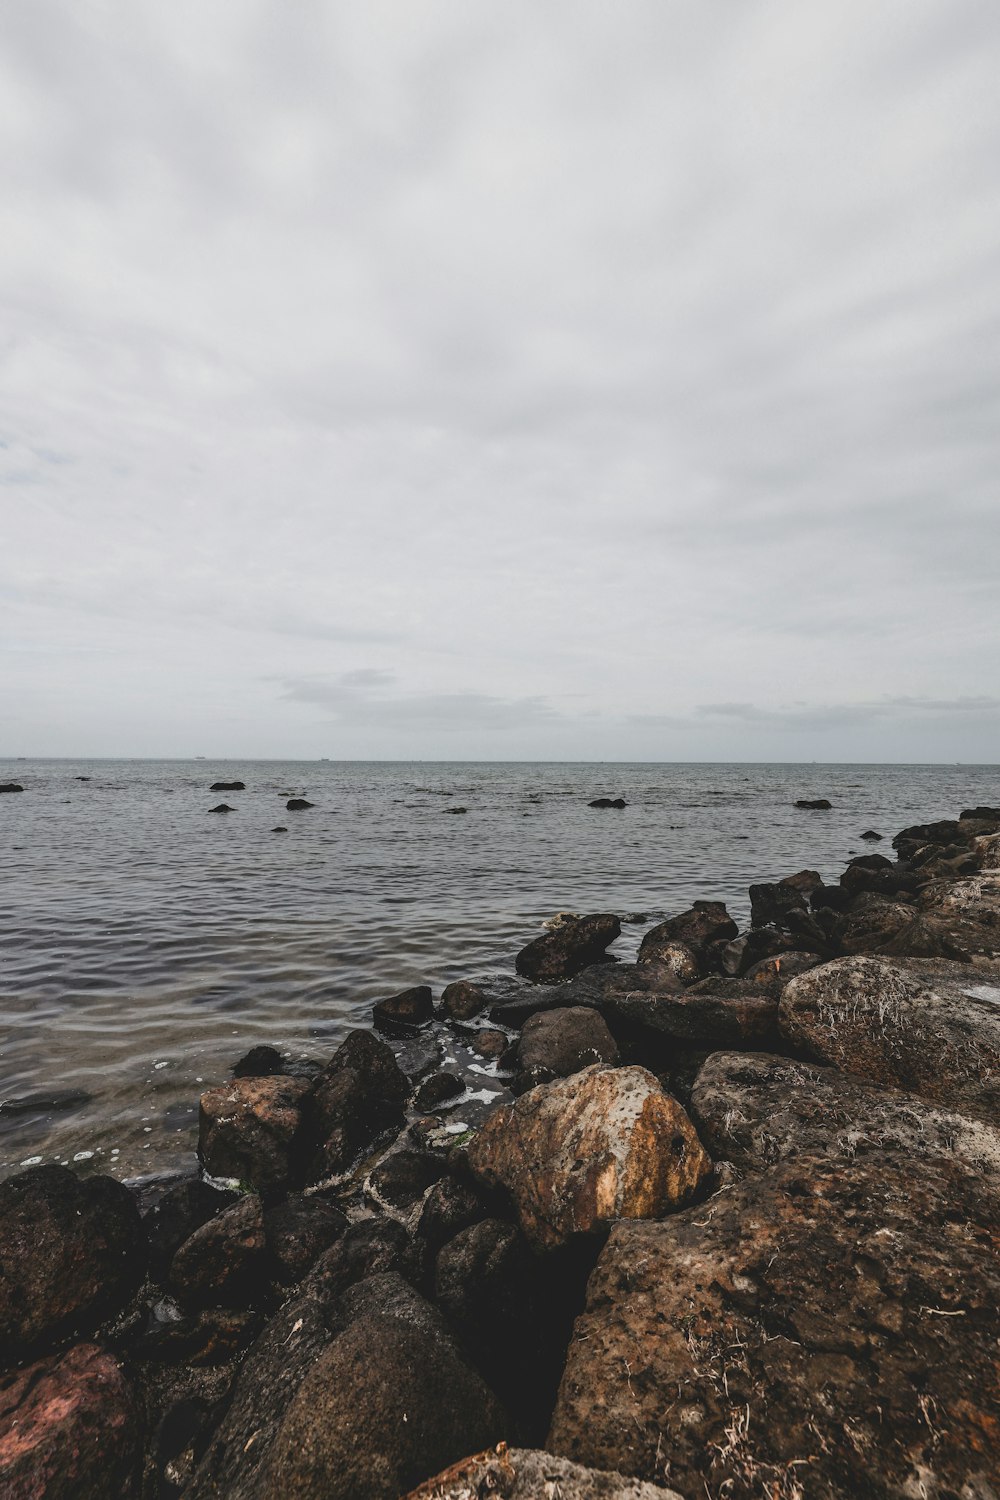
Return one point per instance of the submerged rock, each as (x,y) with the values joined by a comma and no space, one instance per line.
(529,1474)
(827,1330)
(572,947)
(222,807)
(11,786)
(251,1130)
(439,1089)
(814,804)
(259,1062)
(227,786)
(871,837)
(557,1043)
(618,802)
(575,1154)
(298,804)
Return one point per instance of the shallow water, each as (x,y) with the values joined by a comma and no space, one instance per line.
(146,943)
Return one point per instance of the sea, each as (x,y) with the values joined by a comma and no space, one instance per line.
(146,941)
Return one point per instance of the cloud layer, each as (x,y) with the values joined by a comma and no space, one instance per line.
(422,380)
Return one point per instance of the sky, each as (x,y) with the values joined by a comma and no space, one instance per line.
(466,380)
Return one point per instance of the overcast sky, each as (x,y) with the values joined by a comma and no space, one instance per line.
(459,380)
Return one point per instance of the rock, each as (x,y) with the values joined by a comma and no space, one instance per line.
(211,1336)
(297,1233)
(227,786)
(569,949)
(722,1014)
(222,807)
(928,1026)
(419,1055)
(45,1101)
(576,1154)
(989,814)
(987,851)
(449,1207)
(181,1210)
(705,922)
(816,804)
(279,829)
(441,1088)
(298,804)
(414,1408)
(225,1262)
(358,1096)
(251,1130)
(489,1043)
(400,1181)
(10,786)
(871,837)
(259,1062)
(967,912)
(81,778)
(873,923)
(461,1001)
(529,1474)
(70,1429)
(782,967)
(557,1043)
(753,1110)
(771,903)
(827,1330)
(368,1248)
(829,898)
(608,802)
(673,955)
(72,1252)
(400,1015)
(456,810)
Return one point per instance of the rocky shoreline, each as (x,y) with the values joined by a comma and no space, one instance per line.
(727,1224)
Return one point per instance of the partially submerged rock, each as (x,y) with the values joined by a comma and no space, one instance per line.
(359,1095)
(529,1474)
(461,1001)
(576,1154)
(573,946)
(400,1015)
(250,1130)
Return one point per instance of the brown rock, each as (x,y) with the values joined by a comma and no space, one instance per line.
(461,1001)
(359,1094)
(705,922)
(557,1043)
(528,1474)
(69,1429)
(672,955)
(489,1043)
(577,1154)
(402,1014)
(925,1025)
(969,910)
(251,1129)
(572,947)
(828,1330)
(225,1262)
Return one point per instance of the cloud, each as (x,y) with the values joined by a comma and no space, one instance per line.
(367,699)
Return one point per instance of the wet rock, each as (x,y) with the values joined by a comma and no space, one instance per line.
(279,829)
(228,786)
(705,922)
(814,804)
(399,1183)
(181,1210)
(928,1026)
(222,807)
(782,967)
(827,1330)
(46,1101)
(672,955)
(449,1207)
(368,1248)
(298,804)
(461,1001)
(10,786)
(575,1154)
(716,1013)
(456,811)
(871,837)
(557,1043)
(987,814)
(608,802)
(442,1088)
(251,1130)
(225,1262)
(297,1233)
(829,898)
(72,1252)
(530,1474)
(400,1015)
(754,1109)
(415,1408)
(70,1429)
(419,1055)
(359,1095)
(259,1062)
(569,949)
(489,1043)
(212,1336)
(772,902)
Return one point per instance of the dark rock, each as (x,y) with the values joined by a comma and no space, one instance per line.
(70,1429)
(400,1181)
(440,1089)
(415,1408)
(827,1330)
(928,1026)
(461,1001)
(829,898)
(815,804)
(225,1262)
(228,786)
(570,948)
(772,902)
(722,1014)
(557,1043)
(297,1233)
(222,807)
(400,1015)
(450,1206)
(672,954)
(279,829)
(358,1096)
(529,1474)
(489,1043)
(259,1062)
(577,1153)
(174,1218)
(81,778)
(365,1249)
(706,922)
(871,837)
(45,1101)
(251,1130)
(298,804)
(419,1055)
(753,1110)
(10,786)
(72,1252)
(967,911)
(595,986)
(782,967)
(456,810)
(945,831)
(986,814)
(608,802)
(212,1336)
(871,923)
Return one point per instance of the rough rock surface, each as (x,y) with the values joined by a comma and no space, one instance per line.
(753,1110)
(575,1154)
(557,1043)
(718,1014)
(400,1015)
(69,1429)
(250,1129)
(969,910)
(359,1094)
(225,1262)
(461,1001)
(573,946)
(71,1253)
(928,1026)
(827,1330)
(298,1231)
(528,1474)
(705,922)
(414,1404)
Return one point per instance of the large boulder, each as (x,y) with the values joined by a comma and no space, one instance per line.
(529,1474)
(359,1094)
(576,1154)
(969,911)
(827,1330)
(754,1109)
(251,1130)
(70,1429)
(389,1400)
(928,1026)
(705,922)
(72,1252)
(573,946)
(557,1043)
(716,1013)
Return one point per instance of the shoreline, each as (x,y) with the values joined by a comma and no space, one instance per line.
(565,1271)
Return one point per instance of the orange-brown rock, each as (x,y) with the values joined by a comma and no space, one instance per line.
(579,1153)
(250,1130)
(527,1474)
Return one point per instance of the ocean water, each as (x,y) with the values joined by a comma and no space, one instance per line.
(145,942)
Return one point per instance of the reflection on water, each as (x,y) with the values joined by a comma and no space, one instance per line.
(146,942)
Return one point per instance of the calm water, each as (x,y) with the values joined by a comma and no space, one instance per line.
(146,943)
